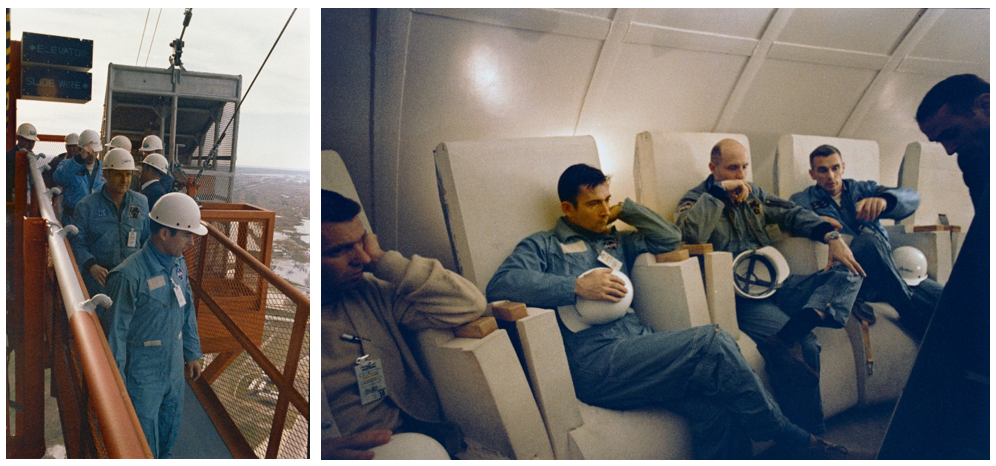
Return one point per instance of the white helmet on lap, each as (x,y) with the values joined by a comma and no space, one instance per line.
(118,159)
(121,142)
(911,263)
(179,211)
(588,312)
(90,138)
(758,273)
(151,143)
(158,162)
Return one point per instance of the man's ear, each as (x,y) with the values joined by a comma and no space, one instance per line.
(712,168)
(982,103)
(812,174)
(567,208)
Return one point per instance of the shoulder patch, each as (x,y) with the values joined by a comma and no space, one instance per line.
(820,204)
(685,206)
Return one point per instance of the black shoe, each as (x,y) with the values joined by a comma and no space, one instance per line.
(863,311)
(788,360)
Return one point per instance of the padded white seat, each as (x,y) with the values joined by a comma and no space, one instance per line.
(494,194)
(480,384)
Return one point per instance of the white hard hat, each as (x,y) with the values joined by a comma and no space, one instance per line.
(151,143)
(758,273)
(410,446)
(911,263)
(118,159)
(90,138)
(158,162)
(72,139)
(27,131)
(121,142)
(587,312)
(180,211)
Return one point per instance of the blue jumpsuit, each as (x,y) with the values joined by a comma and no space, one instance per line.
(76,184)
(872,249)
(696,372)
(151,336)
(104,233)
(157,189)
(705,215)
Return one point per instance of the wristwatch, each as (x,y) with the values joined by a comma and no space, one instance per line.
(832,236)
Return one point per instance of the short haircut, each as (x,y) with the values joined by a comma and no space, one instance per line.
(574,178)
(823,151)
(958,92)
(155,226)
(337,208)
(716,156)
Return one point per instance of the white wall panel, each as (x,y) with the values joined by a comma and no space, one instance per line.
(472,81)
(795,98)
(747,23)
(873,31)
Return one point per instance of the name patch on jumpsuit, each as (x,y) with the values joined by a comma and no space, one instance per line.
(156,282)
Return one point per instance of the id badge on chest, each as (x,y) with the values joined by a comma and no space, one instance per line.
(179,295)
(370,377)
(132,238)
(610,260)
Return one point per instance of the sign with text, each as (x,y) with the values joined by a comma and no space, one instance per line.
(56,51)
(55,84)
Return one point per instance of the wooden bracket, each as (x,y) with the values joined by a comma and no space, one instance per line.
(677,255)
(479,328)
(507,310)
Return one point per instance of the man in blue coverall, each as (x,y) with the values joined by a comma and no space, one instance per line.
(79,176)
(152,326)
(154,178)
(624,364)
(113,222)
(736,216)
(854,208)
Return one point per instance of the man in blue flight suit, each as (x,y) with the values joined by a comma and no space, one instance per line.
(152,327)
(79,176)
(113,222)
(623,364)
(854,208)
(154,177)
(736,216)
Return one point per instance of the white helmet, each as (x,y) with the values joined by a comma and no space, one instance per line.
(121,142)
(911,263)
(180,211)
(151,143)
(410,446)
(90,138)
(27,131)
(595,312)
(758,273)
(118,159)
(158,162)
(72,139)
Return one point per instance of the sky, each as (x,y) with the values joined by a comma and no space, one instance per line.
(274,124)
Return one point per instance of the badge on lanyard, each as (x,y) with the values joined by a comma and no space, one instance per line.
(609,260)
(370,378)
(132,238)
(179,295)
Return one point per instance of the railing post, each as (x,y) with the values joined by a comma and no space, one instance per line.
(32,360)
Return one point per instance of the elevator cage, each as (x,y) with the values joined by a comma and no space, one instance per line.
(143,101)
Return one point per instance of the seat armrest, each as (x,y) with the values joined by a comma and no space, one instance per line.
(669,295)
(550,376)
(482,388)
